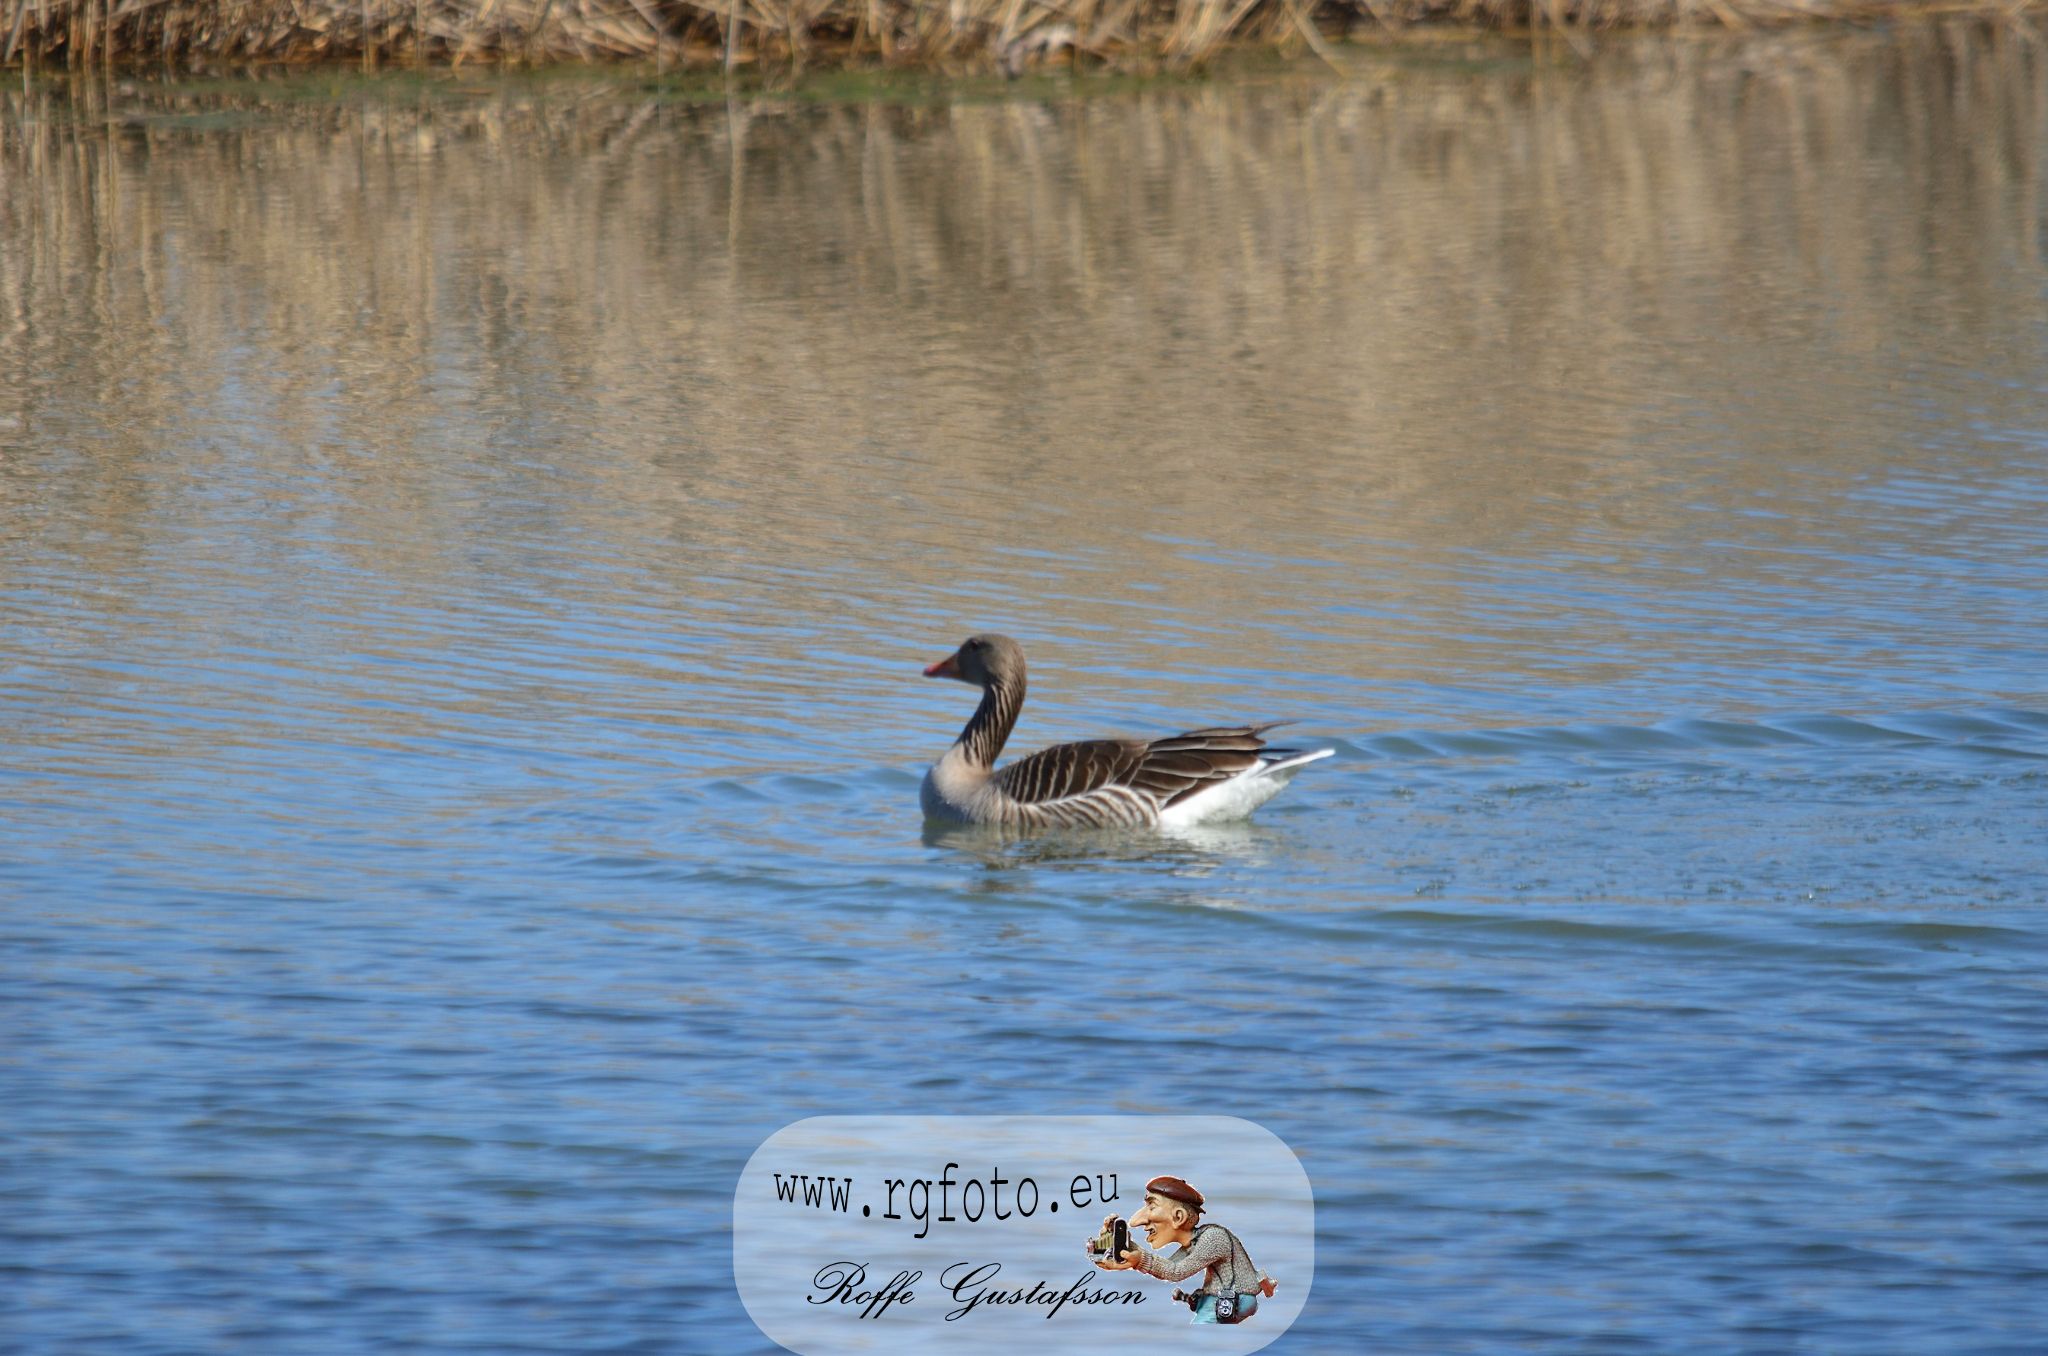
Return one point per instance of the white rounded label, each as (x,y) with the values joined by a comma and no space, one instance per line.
(1052,1233)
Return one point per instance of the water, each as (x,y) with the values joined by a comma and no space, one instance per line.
(468,554)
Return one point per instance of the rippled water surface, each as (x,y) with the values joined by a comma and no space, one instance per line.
(468,553)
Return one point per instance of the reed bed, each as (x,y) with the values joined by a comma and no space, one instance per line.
(1008,35)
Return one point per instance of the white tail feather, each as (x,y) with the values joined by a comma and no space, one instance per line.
(1242,794)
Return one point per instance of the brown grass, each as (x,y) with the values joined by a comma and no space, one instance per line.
(953,34)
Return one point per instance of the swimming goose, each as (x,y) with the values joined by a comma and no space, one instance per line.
(1195,778)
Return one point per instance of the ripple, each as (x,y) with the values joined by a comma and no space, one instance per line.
(463,725)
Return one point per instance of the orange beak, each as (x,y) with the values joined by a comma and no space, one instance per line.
(949,667)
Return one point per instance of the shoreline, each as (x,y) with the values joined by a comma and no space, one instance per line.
(919,37)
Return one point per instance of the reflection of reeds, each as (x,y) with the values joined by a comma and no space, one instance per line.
(1138,296)
(1418,320)
(1009,34)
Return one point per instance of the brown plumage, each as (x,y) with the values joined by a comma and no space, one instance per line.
(1169,769)
(1099,782)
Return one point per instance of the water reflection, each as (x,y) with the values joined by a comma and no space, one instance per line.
(1185,850)
(1420,338)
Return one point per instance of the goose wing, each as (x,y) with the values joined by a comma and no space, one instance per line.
(1168,770)
(1067,770)
(1184,765)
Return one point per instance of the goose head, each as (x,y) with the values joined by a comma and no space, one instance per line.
(984,661)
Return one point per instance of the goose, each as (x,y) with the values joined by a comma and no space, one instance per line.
(1200,777)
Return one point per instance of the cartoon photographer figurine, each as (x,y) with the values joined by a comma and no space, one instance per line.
(1231,1285)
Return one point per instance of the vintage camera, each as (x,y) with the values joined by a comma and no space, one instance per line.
(1113,1242)
(1226,1308)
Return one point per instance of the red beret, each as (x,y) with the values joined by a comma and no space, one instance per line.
(1174,1190)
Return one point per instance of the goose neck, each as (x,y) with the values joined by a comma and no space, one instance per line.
(989,729)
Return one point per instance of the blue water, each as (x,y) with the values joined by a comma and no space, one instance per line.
(467,560)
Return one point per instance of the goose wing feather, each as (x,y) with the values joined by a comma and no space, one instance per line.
(1169,770)
(1067,770)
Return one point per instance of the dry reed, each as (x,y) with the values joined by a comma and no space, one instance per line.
(1000,34)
